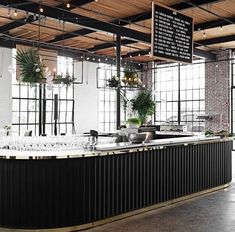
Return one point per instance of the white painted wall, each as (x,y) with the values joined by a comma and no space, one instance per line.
(86,95)
(86,99)
(5,87)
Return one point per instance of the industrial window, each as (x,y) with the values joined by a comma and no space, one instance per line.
(107,99)
(25,104)
(179,92)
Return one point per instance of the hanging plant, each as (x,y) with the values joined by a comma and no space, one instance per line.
(114,82)
(144,105)
(32,69)
(131,78)
(67,79)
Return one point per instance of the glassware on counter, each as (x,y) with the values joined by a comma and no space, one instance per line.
(50,143)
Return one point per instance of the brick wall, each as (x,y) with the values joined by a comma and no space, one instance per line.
(217,94)
(147,75)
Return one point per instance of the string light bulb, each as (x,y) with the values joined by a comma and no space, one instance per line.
(68,5)
(221,28)
(41,9)
(204,34)
(9,12)
(15,13)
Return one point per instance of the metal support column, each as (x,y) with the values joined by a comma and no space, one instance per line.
(40,110)
(179,106)
(118,63)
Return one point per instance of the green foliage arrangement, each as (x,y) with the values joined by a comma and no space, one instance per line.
(114,82)
(209,133)
(31,67)
(134,121)
(131,78)
(222,133)
(67,80)
(144,105)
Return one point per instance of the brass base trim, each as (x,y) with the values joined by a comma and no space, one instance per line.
(121,216)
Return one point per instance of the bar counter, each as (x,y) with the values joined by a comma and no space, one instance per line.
(75,189)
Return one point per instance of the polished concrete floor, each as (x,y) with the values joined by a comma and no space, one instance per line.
(211,213)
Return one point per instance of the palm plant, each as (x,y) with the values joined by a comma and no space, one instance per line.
(31,67)
(144,105)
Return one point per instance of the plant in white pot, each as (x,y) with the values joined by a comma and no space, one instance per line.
(133,123)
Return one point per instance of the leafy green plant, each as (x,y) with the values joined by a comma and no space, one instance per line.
(31,67)
(144,105)
(209,132)
(67,80)
(134,121)
(114,82)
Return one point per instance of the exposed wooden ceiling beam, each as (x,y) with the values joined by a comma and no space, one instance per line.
(75,3)
(135,18)
(82,20)
(197,52)
(66,52)
(223,39)
(213,24)
(17,23)
(71,35)
(78,19)
(110,45)
(80,3)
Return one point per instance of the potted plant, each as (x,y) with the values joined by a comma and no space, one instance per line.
(133,123)
(144,105)
(32,69)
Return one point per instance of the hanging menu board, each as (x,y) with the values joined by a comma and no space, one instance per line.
(172,35)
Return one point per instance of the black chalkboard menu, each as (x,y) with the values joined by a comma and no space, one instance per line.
(172,35)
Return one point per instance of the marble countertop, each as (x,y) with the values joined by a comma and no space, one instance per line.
(104,149)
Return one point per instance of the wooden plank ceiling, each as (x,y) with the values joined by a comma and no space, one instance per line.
(55,31)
